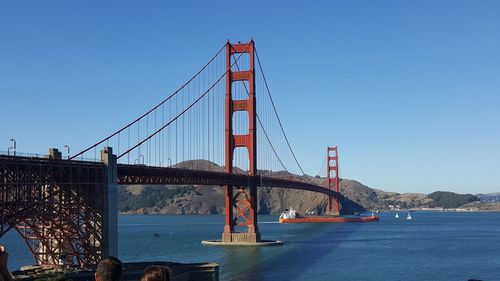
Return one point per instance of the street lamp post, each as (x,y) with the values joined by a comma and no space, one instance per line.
(67,147)
(14,146)
(138,160)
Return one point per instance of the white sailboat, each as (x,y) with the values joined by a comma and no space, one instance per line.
(397,216)
(408,217)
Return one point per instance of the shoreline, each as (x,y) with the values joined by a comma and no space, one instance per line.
(458,210)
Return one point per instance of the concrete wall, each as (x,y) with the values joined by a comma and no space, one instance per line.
(110,231)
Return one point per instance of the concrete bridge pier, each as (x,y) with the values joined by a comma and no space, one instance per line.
(110,214)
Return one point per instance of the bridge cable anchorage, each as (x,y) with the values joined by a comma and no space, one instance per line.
(154,108)
(264,130)
(185,110)
(277,116)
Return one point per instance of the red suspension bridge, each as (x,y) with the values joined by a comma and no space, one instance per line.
(211,131)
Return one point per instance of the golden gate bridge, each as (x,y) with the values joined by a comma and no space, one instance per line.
(213,130)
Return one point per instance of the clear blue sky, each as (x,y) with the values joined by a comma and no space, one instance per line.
(409,90)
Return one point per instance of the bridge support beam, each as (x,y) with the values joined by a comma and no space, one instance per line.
(110,215)
(57,207)
(332,179)
(241,202)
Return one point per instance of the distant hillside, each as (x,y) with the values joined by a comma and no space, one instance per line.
(489,197)
(489,202)
(447,199)
(135,197)
(482,206)
(210,199)
(376,199)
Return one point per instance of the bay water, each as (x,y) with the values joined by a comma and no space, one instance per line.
(431,246)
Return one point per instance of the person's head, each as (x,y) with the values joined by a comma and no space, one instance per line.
(156,273)
(109,269)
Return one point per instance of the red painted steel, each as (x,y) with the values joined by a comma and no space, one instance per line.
(332,181)
(146,175)
(56,207)
(241,207)
(329,219)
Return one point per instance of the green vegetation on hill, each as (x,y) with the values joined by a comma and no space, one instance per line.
(376,199)
(150,197)
(447,199)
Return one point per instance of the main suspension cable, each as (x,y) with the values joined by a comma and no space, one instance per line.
(186,109)
(322,166)
(151,110)
(264,129)
(277,116)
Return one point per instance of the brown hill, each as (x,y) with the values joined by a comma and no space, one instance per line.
(210,199)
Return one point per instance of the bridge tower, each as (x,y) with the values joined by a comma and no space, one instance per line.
(332,178)
(241,202)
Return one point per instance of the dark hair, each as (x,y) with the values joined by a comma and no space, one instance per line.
(156,273)
(109,269)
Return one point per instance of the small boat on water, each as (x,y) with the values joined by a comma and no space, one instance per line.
(288,214)
(292,216)
(408,217)
(397,216)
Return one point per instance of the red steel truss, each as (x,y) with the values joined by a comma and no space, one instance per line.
(332,178)
(241,207)
(61,208)
(56,206)
(145,175)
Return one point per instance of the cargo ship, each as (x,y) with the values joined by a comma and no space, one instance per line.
(291,216)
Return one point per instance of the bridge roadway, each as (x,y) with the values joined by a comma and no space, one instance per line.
(148,175)
(66,205)
(140,174)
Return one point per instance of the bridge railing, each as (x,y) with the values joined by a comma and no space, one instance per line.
(43,156)
(23,154)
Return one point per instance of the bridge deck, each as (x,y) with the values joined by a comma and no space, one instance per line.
(140,174)
(147,175)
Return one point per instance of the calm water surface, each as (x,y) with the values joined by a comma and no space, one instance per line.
(432,246)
